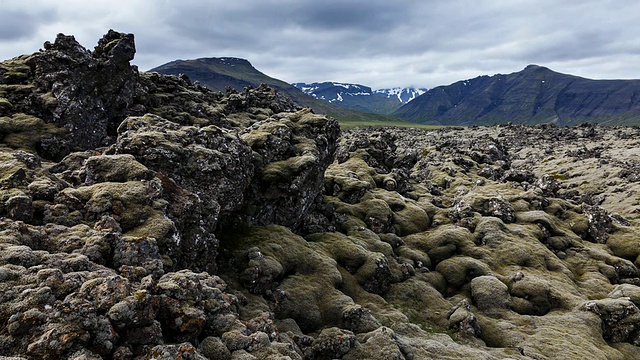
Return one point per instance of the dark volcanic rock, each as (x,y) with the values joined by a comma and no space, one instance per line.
(90,245)
(291,154)
(85,93)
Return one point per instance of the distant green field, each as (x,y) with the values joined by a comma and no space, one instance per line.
(347,124)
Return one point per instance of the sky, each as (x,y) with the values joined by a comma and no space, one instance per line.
(378,43)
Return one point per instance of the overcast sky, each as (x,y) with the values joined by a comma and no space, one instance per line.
(379,43)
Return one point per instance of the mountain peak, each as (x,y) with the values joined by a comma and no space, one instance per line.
(225,61)
(360,97)
(534,67)
(531,96)
(404,95)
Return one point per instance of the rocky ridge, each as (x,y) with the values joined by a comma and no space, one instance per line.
(220,73)
(532,96)
(186,223)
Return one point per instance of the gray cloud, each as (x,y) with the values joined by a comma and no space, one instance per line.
(378,43)
(16,26)
(20,24)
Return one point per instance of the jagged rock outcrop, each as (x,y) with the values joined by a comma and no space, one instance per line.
(71,87)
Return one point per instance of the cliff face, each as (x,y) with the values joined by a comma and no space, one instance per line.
(532,96)
(189,223)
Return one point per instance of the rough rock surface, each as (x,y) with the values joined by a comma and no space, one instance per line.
(152,218)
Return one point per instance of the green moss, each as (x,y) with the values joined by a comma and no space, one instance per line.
(16,71)
(25,132)
(5,105)
(559,176)
(355,168)
(287,169)
(130,201)
(156,226)
(444,242)
(258,138)
(310,274)
(625,244)
(18,89)
(342,249)
(294,253)
(9,165)
(48,100)
(116,168)
(421,303)
(459,270)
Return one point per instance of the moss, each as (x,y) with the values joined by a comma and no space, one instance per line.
(9,165)
(423,304)
(625,244)
(443,242)
(17,73)
(49,101)
(310,275)
(341,248)
(375,213)
(355,167)
(115,168)
(560,176)
(258,138)
(17,89)
(541,218)
(304,145)
(418,258)
(5,105)
(459,270)
(156,226)
(129,201)
(292,251)
(410,220)
(287,169)
(25,132)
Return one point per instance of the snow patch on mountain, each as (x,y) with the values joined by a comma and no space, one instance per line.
(336,91)
(404,95)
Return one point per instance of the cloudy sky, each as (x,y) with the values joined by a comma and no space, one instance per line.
(380,43)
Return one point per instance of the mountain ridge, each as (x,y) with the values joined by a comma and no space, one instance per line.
(533,95)
(405,94)
(218,73)
(360,97)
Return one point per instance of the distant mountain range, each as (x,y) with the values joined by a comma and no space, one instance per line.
(218,73)
(531,96)
(359,97)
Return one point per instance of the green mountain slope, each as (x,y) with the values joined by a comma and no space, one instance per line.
(531,96)
(218,73)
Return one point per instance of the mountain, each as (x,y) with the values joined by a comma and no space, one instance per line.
(218,73)
(531,96)
(403,94)
(359,97)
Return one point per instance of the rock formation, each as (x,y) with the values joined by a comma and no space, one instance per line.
(146,217)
